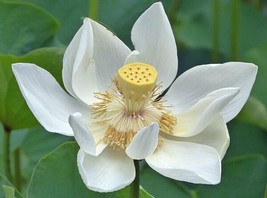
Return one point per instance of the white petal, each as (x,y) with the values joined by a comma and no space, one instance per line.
(197,82)
(85,82)
(190,162)
(203,113)
(50,104)
(110,171)
(79,52)
(144,142)
(152,36)
(109,54)
(84,137)
(132,57)
(216,136)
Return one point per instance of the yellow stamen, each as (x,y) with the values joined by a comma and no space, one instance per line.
(116,139)
(167,122)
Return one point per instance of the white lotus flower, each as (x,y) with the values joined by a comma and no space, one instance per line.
(114,111)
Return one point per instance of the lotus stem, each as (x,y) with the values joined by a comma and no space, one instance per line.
(134,187)
(6,153)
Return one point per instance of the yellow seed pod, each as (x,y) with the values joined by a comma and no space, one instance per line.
(137,78)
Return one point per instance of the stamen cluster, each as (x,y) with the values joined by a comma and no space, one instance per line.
(127,108)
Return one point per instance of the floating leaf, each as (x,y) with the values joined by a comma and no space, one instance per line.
(56,175)
(24,27)
(36,144)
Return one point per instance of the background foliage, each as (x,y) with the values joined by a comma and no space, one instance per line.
(37,31)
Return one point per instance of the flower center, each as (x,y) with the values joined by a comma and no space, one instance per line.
(131,105)
(137,78)
(136,82)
